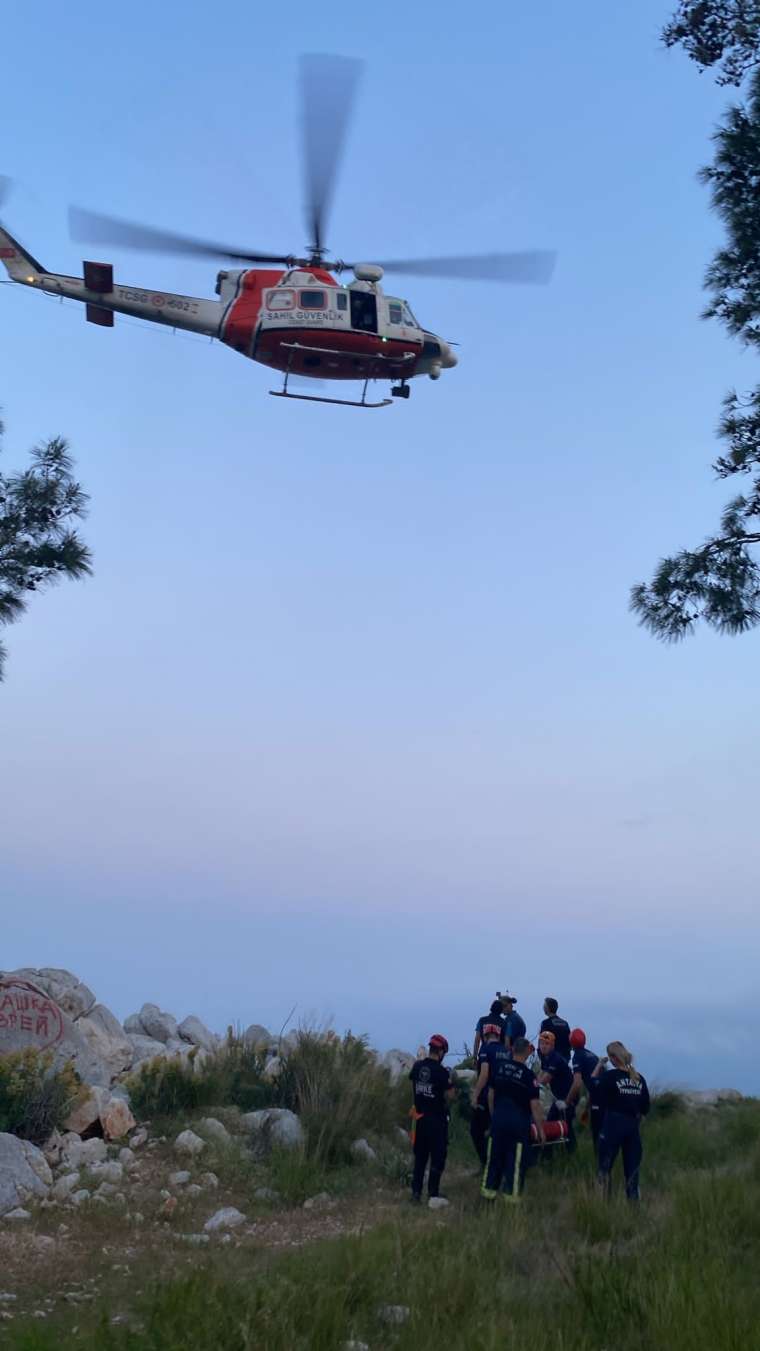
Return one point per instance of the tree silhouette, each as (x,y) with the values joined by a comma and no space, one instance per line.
(37,544)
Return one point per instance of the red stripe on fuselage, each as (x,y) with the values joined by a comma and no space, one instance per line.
(336,354)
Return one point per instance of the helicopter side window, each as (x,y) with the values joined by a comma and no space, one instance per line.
(409,317)
(395,313)
(313,300)
(364,311)
(282,298)
(342,300)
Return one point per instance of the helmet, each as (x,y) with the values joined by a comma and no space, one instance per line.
(491,1029)
(577,1038)
(440,1043)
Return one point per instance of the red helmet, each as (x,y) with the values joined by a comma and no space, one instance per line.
(577,1038)
(440,1043)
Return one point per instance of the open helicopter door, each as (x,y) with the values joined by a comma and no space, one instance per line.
(363,310)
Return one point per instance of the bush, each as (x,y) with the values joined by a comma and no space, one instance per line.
(35,1099)
(233,1076)
(339,1090)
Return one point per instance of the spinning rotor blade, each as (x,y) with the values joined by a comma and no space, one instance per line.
(535,267)
(91,227)
(328,87)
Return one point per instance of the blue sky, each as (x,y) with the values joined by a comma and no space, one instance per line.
(353,715)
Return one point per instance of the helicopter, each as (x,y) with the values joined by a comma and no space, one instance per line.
(290,313)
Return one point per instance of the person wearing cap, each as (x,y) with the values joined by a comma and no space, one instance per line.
(513,1102)
(514,1026)
(480,1119)
(583,1064)
(493,1016)
(553,1023)
(433,1091)
(556,1073)
(623,1098)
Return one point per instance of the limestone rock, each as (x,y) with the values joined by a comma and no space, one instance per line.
(161,1026)
(144,1048)
(79,1198)
(398,1063)
(82,1153)
(322,1201)
(108,1170)
(215,1130)
(267,1194)
(18,1214)
(24,1173)
(194,1190)
(362,1150)
(437,1203)
(193,1030)
(138,1139)
(257,1036)
(31,1018)
(710,1097)
(187,1142)
(209,1180)
(87,1111)
(180,1178)
(464,1076)
(62,986)
(273,1068)
(132,1025)
(65,1185)
(226,1218)
(117,1119)
(127,1159)
(275,1126)
(107,1039)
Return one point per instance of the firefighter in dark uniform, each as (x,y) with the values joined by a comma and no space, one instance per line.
(556,1073)
(480,1120)
(583,1064)
(556,1025)
(623,1100)
(433,1091)
(513,1101)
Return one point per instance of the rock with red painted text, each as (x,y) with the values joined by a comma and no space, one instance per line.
(24,1173)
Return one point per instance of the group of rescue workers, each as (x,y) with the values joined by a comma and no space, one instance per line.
(508,1125)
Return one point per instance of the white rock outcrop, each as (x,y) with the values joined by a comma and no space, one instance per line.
(193,1030)
(24,1174)
(274,1126)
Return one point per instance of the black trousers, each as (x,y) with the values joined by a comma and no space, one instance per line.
(431,1143)
(620,1134)
(595,1115)
(480,1123)
(507,1151)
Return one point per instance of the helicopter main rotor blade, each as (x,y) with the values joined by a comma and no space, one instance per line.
(328,87)
(91,227)
(532,267)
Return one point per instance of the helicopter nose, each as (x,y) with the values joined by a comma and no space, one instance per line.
(449,357)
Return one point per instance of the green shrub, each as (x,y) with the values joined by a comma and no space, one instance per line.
(340,1092)
(231,1077)
(35,1099)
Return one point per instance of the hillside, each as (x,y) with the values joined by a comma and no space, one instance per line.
(360,1267)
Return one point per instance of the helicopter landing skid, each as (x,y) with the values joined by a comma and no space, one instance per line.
(285,393)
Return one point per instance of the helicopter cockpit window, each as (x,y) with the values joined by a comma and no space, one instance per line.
(313,300)
(395,312)
(281,299)
(409,317)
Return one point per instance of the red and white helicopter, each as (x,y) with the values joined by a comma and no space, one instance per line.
(288,313)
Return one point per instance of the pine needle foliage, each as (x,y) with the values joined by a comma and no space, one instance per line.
(718,33)
(718,583)
(38,546)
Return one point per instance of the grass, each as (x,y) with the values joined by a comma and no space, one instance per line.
(565,1272)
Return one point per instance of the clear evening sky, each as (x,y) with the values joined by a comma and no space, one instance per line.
(352,714)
